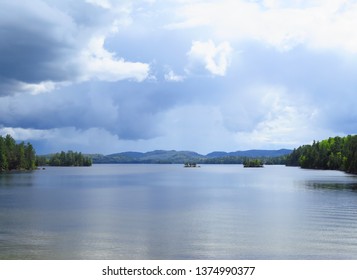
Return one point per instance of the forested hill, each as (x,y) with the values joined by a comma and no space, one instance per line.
(162,156)
(338,153)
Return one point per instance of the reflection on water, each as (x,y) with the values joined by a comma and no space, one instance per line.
(332,186)
(171,212)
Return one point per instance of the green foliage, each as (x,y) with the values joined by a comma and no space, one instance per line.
(241,160)
(23,157)
(41,161)
(30,157)
(338,153)
(66,159)
(3,155)
(16,156)
(253,162)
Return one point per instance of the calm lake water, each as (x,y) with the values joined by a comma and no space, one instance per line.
(172,212)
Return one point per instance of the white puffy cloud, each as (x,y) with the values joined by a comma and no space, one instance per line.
(103,65)
(42,87)
(23,134)
(215,59)
(281,24)
(281,116)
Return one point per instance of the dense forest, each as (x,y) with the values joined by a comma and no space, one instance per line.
(21,156)
(338,153)
(65,159)
(15,156)
(242,160)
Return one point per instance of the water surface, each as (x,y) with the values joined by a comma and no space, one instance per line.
(171,212)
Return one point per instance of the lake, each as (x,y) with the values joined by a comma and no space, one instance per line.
(141,211)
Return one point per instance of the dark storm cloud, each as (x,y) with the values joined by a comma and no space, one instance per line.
(36,42)
(50,41)
(130,110)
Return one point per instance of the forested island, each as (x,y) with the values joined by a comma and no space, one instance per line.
(338,153)
(15,156)
(252,163)
(69,158)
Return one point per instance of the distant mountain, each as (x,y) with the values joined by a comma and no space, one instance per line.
(172,156)
(251,153)
(216,154)
(131,154)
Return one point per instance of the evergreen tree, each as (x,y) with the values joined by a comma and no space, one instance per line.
(69,159)
(20,156)
(10,146)
(3,158)
(16,156)
(23,157)
(338,153)
(30,157)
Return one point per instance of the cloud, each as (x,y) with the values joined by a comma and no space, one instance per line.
(195,127)
(54,45)
(280,116)
(105,4)
(215,59)
(57,109)
(267,119)
(39,46)
(103,65)
(281,24)
(66,138)
(22,134)
(86,74)
(170,76)
(42,87)
(128,110)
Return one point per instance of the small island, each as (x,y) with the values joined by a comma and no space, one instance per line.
(190,164)
(253,163)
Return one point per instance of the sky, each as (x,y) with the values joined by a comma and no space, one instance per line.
(106,76)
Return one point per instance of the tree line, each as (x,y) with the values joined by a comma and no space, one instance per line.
(243,159)
(21,156)
(15,156)
(337,153)
(69,158)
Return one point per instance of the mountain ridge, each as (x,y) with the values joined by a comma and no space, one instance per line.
(173,156)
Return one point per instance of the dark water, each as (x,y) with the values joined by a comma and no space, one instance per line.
(171,212)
